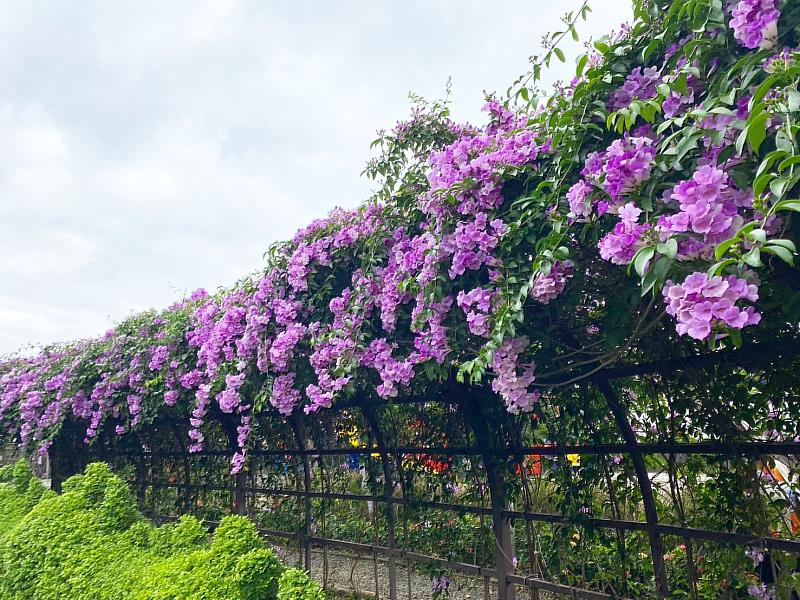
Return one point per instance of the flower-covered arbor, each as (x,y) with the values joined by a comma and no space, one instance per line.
(641,215)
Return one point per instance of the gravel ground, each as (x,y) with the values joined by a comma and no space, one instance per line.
(353,576)
(351,573)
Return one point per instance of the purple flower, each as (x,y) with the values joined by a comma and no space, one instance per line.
(755,555)
(509,382)
(577,197)
(158,358)
(708,206)
(761,591)
(624,165)
(621,244)
(284,396)
(237,463)
(702,302)
(440,585)
(755,23)
(548,286)
(640,84)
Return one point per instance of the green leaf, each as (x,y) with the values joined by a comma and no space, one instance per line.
(560,54)
(736,337)
(668,248)
(642,258)
(762,90)
(758,234)
(753,258)
(769,160)
(783,142)
(761,182)
(781,252)
(741,141)
(757,131)
(788,244)
(780,185)
(728,98)
(785,164)
(582,62)
(723,247)
(788,205)
(720,266)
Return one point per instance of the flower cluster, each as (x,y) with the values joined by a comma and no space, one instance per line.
(427,274)
(640,84)
(477,317)
(548,286)
(755,23)
(578,196)
(509,382)
(624,165)
(762,591)
(709,206)
(702,303)
(621,244)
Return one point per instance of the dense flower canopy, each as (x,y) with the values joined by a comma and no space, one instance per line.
(653,195)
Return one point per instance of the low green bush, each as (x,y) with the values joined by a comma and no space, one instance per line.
(21,492)
(90,542)
(295,584)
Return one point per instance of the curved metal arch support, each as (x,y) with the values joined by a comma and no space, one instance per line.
(388,485)
(298,429)
(501,527)
(184,498)
(238,481)
(620,413)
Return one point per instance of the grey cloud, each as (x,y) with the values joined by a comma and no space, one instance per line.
(150,148)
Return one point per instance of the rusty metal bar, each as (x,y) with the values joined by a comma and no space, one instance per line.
(299,434)
(724,537)
(710,448)
(645,487)
(504,544)
(388,484)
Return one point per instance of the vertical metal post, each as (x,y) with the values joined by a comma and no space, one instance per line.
(55,472)
(297,429)
(184,494)
(388,485)
(648,499)
(238,481)
(488,444)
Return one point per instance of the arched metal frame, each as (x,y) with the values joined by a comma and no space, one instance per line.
(490,446)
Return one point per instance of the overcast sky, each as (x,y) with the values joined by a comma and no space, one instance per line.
(151,148)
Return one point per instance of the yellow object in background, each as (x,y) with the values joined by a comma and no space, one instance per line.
(574,460)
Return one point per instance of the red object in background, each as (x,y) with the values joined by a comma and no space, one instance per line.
(434,464)
(533,465)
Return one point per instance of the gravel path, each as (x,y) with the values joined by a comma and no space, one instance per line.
(353,576)
(353,573)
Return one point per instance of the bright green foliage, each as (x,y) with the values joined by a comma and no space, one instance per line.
(295,584)
(20,494)
(90,542)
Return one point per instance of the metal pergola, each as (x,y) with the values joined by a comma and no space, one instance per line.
(307,448)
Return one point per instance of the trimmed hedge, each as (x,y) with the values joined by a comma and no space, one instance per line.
(295,584)
(90,542)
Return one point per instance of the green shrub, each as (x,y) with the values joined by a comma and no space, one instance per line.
(90,543)
(217,571)
(20,491)
(295,584)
